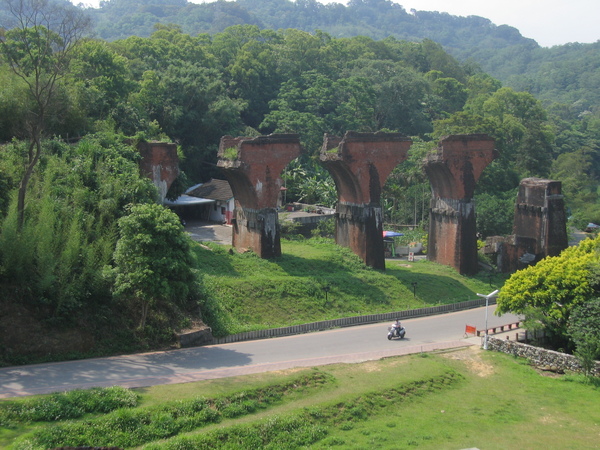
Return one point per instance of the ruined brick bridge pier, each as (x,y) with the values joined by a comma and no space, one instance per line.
(359,164)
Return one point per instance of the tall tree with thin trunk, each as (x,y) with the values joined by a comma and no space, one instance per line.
(38,46)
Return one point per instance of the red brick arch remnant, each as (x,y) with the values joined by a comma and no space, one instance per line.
(540,215)
(453,171)
(360,164)
(253,168)
(160,163)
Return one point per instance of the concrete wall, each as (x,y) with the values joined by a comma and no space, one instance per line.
(215,213)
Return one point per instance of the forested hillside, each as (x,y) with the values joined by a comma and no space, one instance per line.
(565,74)
(72,108)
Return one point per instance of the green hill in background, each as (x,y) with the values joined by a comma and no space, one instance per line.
(565,74)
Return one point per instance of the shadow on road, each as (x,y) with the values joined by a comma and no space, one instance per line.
(122,370)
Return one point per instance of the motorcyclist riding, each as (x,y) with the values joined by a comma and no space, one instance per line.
(396,327)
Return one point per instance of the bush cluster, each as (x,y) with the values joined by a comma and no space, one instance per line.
(133,427)
(66,405)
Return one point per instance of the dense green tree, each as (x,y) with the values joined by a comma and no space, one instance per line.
(584,331)
(574,170)
(101,77)
(301,107)
(13,105)
(401,95)
(69,233)
(254,76)
(447,94)
(550,290)
(522,132)
(153,260)
(302,52)
(494,215)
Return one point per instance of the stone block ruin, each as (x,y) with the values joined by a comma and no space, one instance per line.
(539,227)
(160,163)
(253,168)
(453,172)
(360,164)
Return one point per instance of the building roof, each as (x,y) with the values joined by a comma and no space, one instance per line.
(213,190)
(184,200)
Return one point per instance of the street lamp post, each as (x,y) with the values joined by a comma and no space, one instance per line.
(487,301)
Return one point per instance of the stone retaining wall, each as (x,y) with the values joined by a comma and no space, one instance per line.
(541,357)
(350,321)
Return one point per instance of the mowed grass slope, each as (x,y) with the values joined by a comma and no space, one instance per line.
(462,399)
(317,280)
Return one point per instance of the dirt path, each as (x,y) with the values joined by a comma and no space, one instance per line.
(203,231)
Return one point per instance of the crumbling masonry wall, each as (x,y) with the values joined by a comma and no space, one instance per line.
(453,172)
(160,163)
(253,167)
(540,215)
(541,357)
(360,163)
(539,227)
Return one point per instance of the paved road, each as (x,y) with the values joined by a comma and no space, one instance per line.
(355,344)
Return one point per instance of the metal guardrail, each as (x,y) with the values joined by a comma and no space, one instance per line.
(500,328)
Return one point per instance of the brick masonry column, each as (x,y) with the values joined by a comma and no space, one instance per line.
(453,172)
(253,167)
(360,164)
(160,163)
(540,215)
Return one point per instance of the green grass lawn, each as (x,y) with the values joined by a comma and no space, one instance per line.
(460,399)
(244,292)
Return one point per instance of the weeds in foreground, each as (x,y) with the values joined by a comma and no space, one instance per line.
(66,405)
(463,399)
(310,425)
(133,427)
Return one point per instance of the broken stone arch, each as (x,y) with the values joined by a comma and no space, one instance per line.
(359,164)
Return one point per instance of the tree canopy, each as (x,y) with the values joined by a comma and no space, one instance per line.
(551,289)
(153,259)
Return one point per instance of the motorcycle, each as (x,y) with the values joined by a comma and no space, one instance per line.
(394,331)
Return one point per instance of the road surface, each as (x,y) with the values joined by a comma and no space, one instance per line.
(354,344)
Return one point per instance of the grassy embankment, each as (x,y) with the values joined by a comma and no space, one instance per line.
(244,292)
(462,399)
